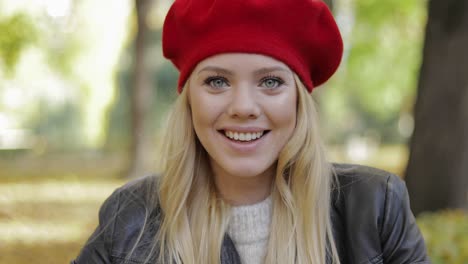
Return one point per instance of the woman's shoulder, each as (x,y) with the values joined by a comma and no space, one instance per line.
(353,179)
(129,216)
(368,193)
(134,202)
(142,188)
(372,218)
(136,195)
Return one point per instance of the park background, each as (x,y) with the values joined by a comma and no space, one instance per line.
(84,90)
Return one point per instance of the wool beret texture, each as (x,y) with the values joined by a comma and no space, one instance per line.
(301,33)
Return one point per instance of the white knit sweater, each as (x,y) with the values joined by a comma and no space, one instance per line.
(249,229)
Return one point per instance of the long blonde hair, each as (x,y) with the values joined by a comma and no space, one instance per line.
(194,218)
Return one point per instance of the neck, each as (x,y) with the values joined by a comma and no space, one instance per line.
(238,190)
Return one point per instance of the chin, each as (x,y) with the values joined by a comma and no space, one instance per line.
(247,169)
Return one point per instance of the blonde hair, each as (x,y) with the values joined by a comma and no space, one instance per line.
(194,218)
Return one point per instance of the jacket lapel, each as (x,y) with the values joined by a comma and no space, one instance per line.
(229,253)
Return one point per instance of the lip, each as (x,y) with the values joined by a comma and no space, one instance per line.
(243,147)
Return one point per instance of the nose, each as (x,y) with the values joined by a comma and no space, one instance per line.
(243,103)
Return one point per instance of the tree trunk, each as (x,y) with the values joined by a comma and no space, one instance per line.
(437,172)
(140,94)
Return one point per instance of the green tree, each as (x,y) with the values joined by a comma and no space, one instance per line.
(377,79)
(17,32)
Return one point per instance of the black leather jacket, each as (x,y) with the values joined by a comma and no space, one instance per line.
(371,218)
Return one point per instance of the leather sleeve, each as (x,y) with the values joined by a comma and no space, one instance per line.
(98,248)
(402,242)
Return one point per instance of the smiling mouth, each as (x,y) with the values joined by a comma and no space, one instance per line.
(244,137)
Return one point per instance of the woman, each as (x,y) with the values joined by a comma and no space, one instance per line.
(245,177)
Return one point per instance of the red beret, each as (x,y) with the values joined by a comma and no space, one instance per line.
(300,33)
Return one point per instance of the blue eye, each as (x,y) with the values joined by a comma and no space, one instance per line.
(272,82)
(216,82)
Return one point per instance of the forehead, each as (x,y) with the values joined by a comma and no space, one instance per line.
(242,62)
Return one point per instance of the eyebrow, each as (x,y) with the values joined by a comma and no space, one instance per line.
(216,69)
(257,72)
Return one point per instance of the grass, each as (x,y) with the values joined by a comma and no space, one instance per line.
(48,221)
(49,205)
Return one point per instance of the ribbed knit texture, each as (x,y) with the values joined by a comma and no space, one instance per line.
(249,229)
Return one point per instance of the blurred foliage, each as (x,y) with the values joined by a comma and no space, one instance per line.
(62,61)
(17,31)
(384,60)
(446,236)
(377,79)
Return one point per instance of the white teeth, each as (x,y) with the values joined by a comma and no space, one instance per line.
(243,136)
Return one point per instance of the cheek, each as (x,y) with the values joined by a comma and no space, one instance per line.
(284,115)
(199,118)
(287,121)
(205,112)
